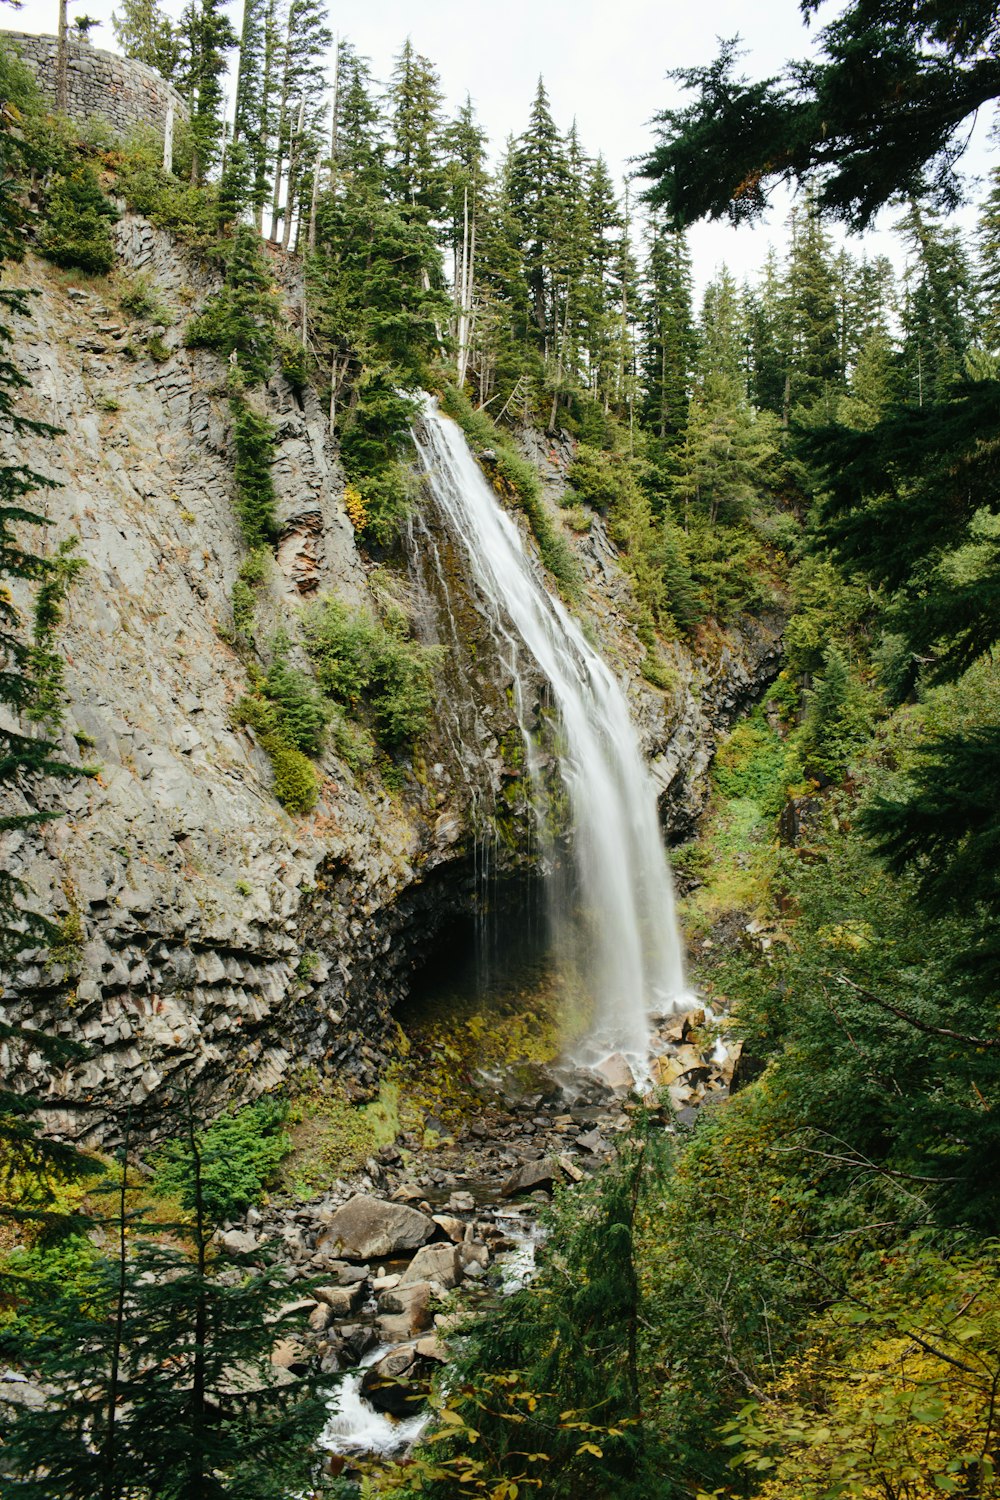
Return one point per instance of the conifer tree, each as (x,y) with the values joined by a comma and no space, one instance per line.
(988,278)
(768,339)
(157,1361)
(937,308)
(536,184)
(207,37)
(414,100)
(814,357)
(466,177)
(356,147)
(301,103)
(669,339)
(145,32)
(251,116)
(601,227)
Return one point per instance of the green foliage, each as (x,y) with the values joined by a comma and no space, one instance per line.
(296,785)
(75,232)
(754,762)
(240,1152)
(155,1359)
(255,440)
(731,567)
(239,321)
(46,661)
(359,659)
(141,299)
(170,202)
(838,719)
(300,713)
(719,154)
(252,573)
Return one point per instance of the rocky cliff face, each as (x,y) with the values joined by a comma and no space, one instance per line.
(205,929)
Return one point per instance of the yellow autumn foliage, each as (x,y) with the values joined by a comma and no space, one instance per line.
(354,504)
(895,1397)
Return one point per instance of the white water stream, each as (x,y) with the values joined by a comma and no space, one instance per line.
(627,944)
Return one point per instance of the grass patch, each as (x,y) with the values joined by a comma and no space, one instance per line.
(331,1138)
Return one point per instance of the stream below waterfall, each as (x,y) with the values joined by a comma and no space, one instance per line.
(528,1033)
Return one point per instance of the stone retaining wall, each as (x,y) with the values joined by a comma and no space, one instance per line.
(100,83)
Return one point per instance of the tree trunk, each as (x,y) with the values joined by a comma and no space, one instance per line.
(294,154)
(279,145)
(62,84)
(110,1489)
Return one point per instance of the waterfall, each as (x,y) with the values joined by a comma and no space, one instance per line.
(625,932)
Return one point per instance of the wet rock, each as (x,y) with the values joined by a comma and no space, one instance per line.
(345,1274)
(355,1340)
(473,1255)
(453,1228)
(438,1263)
(367,1227)
(533,1176)
(342,1300)
(398,1382)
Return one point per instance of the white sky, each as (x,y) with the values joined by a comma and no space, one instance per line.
(603,63)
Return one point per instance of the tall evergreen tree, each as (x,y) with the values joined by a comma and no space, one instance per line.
(768,339)
(357,150)
(207,36)
(157,1362)
(536,184)
(414,101)
(815,366)
(301,105)
(467,179)
(145,32)
(937,308)
(669,336)
(988,278)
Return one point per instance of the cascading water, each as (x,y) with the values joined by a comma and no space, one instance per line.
(629,949)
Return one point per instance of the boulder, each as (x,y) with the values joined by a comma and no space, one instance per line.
(410,1302)
(438,1263)
(472,1255)
(452,1227)
(616,1073)
(398,1382)
(367,1227)
(343,1300)
(533,1176)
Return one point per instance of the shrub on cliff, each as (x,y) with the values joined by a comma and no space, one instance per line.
(360,659)
(240,1153)
(76,233)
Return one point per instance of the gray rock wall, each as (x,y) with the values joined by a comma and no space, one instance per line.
(206,931)
(100,83)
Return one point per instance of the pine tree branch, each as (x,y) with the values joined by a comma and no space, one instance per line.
(911,1020)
